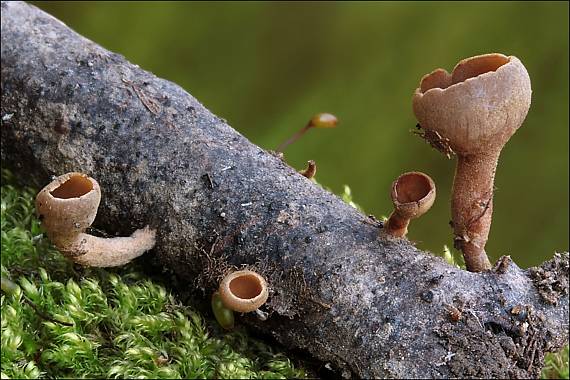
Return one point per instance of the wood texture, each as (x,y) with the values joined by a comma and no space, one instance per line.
(370,306)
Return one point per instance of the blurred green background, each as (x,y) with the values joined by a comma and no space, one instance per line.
(267,67)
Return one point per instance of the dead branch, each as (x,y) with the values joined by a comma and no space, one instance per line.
(372,307)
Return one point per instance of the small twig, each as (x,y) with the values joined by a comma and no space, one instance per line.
(43,315)
(10,287)
(152,105)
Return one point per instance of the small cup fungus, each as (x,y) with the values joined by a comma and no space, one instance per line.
(473,112)
(243,291)
(413,195)
(67,206)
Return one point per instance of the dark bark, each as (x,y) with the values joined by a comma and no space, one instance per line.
(372,307)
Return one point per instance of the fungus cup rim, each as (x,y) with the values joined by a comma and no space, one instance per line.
(510,59)
(414,208)
(61,180)
(236,303)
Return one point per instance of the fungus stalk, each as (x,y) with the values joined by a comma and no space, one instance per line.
(413,195)
(67,206)
(472,207)
(473,112)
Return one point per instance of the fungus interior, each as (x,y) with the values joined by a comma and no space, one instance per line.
(412,187)
(74,187)
(464,70)
(478,65)
(437,79)
(246,286)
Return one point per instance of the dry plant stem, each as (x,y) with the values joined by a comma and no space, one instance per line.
(294,138)
(472,207)
(10,287)
(370,306)
(44,315)
(320,120)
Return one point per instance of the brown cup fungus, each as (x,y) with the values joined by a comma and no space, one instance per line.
(243,291)
(67,206)
(473,112)
(413,195)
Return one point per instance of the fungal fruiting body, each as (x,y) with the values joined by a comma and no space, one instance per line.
(243,291)
(320,120)
(473,112)
(67,206)
(413,195)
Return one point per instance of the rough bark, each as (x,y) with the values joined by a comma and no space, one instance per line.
(371,306)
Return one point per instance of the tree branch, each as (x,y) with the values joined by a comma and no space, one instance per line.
(373,307)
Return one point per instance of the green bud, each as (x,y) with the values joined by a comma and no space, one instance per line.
(224,316)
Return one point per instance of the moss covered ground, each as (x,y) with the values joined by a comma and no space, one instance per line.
(61,321)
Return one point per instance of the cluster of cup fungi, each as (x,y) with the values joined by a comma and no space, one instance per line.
(471,113)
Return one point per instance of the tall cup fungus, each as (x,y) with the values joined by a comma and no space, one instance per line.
(473,112)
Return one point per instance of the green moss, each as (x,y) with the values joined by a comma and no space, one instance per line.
(347,197)
(452,259)
(556,365)
(58,322)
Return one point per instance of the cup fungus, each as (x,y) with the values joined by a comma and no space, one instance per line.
(243,291)
(320,120)
(413,195)
(67,206)
(473,112)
